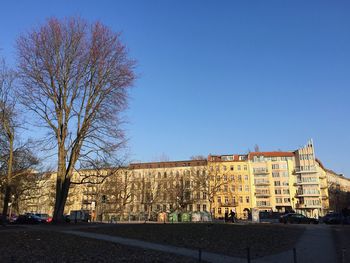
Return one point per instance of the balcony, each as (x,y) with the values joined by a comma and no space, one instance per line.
(228,204)
(324,197)
(262,183)
(306,206)
(301,194)
(260,171)
(305,169)
(263,194)
(267,205)
(303,182)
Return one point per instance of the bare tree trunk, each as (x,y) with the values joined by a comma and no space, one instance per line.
(9,177)
(62,187)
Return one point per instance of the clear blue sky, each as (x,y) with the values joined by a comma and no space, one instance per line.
(221,76)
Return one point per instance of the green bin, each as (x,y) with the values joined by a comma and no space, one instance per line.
(185,217)
(173,217)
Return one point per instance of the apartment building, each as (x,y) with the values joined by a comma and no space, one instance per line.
(230,185)
(267,181)
(171,186)
(273,180)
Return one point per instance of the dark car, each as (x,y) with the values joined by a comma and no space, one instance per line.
(28,219)
(332,218)
(294,218)
(45,218)
(3,219)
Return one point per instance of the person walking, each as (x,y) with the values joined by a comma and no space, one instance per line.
(232,215)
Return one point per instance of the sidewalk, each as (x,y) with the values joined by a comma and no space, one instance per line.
(316,245)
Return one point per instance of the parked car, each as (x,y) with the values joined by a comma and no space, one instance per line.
(332,218)
(3,219)
(79,216)
(28,219)
(294,218)
(45,218)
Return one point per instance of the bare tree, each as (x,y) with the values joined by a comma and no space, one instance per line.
(16,158)
(256,148)
(75,77)
(151,191)
(116,193)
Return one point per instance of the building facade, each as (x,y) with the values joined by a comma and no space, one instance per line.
(267,181)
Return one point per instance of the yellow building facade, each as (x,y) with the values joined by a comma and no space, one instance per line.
(267,181)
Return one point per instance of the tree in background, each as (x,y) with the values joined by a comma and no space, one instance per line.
(75,77)
(16,158)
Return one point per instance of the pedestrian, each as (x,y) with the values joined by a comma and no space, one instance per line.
(232,215)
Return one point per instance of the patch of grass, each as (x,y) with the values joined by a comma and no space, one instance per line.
(229,239)
(47,246)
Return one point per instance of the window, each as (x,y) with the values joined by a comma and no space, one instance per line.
(278,200)
(232,167)
(286,200)
(275,174)
(225,178)
(165,175)
(233,189)
(240,188)
(285,174)
(246,177)
(275,166)
(225,188)
(219,199)
(226,210)
(277,183)
(204,195)
(232,177)
(245,168)
(204,207)
(219,210)
(285,183)
(190,208)
(278,191)
(241,199)
(198,207)
(198,195)
(247,199)
(246,188)
(238,167)
(224,167)
(239,177)
(286,191)
(164,208)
